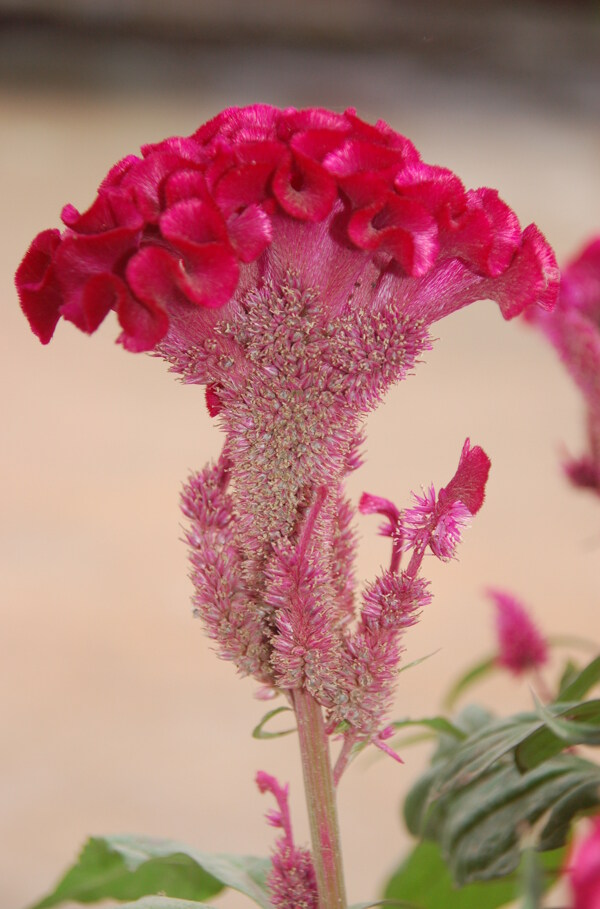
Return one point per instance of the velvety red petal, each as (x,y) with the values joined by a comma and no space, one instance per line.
(493,250)
(356,156)
(185,184)
(112,208)
(468,483)
(437,188)
(304,189)
(400,226)
(317,143)
(144,324)
(208,274)
(151,274)
(80,257)
(250,232)
(242,186)
(115,175)
(37,287)
(100,294)
(533,277)
(146,181)
(213,402)
(192,221)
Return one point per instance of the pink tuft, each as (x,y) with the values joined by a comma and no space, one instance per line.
(520,645)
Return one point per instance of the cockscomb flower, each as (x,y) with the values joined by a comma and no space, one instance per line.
(521,646)
(583,870)
(291,262)
(574,330)
(292,881)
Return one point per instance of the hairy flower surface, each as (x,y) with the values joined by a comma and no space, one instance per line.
(292,262)
(521,646)
(574,330)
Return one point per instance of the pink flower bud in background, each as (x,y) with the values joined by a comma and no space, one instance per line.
(521,646)
(583,870)
(574,330)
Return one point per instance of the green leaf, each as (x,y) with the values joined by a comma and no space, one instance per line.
(258,731)
(164,902)
(438,724)
(583,681)
(558,732)
(129,867)
(474,674)
(425,880)
(480,809)
(411,665)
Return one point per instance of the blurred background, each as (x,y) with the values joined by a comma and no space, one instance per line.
(116,715)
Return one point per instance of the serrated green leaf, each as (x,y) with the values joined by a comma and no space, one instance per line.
(425,880)
(258,731)
(569,674)
(568,726)
(131,867)
(479,826)
(472,675)
(581,684)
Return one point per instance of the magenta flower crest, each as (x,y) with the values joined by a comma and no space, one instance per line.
(521,646)
(574,330)
(292,262)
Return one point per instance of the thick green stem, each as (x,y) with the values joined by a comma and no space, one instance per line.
(320,800)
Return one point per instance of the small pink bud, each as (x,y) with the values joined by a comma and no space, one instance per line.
(520,645)
(584,870)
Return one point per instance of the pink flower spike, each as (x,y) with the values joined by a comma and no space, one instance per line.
(521,646)
(583,870)
(292,880)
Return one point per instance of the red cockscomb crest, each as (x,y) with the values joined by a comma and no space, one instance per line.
(174,230)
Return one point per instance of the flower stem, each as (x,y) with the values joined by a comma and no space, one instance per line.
(320,799)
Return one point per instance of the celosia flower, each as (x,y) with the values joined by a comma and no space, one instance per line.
(521,646)
(292,262)
(583,870)
(574,330)
(292,881)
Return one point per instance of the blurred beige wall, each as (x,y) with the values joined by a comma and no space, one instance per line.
(116,715)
